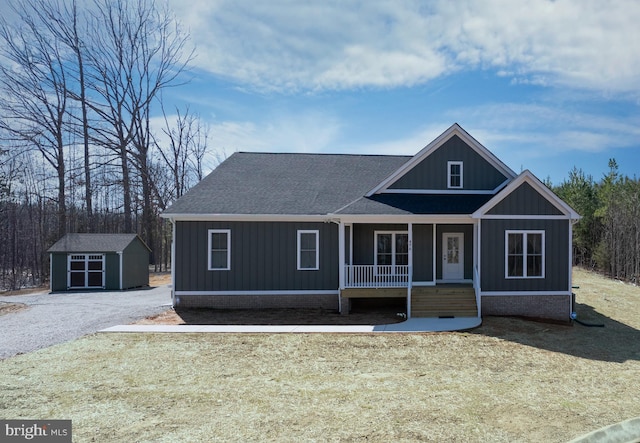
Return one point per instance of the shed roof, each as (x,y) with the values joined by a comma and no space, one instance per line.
(94,243)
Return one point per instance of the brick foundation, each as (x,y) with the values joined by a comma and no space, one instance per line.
(552,307)
(258,301)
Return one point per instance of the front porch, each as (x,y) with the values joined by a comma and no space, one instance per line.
(433,266)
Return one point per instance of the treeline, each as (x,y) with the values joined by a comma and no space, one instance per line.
(79,150)
(607,238)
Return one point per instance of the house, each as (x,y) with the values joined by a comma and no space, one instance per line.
(452,230)
(99,261)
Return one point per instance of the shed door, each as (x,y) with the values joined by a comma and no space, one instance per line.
(453,257)
(85,271)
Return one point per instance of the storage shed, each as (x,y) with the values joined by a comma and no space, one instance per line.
(99,261)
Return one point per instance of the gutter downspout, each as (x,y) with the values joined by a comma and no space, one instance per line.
(410,276)
(174,301)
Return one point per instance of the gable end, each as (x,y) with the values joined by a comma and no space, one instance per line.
(526,196)
(427,172)
(432,173)
(525,200)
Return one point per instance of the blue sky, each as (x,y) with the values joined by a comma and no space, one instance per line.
(545,85)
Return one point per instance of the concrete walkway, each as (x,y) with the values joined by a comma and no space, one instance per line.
(411,325)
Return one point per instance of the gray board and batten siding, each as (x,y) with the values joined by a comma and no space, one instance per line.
(524,200)
(493,256)
(263,257)
(431,172)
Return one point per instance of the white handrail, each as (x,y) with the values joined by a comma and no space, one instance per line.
(376,276)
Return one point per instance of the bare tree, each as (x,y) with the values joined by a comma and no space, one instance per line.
(185,150)
(34,93)
(140,52)
(65,23)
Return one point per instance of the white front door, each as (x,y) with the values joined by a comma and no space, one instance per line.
(453,256)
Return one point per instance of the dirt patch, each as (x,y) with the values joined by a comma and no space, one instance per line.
(26,291)
(272,317)
(9,308)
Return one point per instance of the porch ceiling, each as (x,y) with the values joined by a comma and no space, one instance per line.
(426,204)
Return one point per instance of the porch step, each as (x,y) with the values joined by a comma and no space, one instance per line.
(443,301)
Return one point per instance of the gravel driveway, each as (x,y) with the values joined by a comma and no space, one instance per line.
(56,318)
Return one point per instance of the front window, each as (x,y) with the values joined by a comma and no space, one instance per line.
(219,250)
(392,249)
(524,254)
(454,175)
(308,250)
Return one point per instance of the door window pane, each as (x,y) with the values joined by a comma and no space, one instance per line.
(453,250)
(384,247)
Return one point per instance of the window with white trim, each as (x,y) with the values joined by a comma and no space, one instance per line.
(392,248)
(454,175)
(219,250)
(308,250)
(524,254)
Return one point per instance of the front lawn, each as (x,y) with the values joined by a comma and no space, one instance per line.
(509,380)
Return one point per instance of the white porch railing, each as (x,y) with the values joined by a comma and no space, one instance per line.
(376,276)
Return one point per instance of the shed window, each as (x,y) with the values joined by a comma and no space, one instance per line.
(524,254)
(219,250)
(308,250)
(454,175)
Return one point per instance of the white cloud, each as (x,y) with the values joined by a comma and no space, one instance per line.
(289,45)
(306,132)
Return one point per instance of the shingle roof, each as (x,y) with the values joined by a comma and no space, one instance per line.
(92,243)
(311,184)
(291,184)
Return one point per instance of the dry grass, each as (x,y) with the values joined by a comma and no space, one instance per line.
(510,380)
(9,308)
(159,278)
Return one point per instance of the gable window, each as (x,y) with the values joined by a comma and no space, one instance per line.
(219,250)
(454,175)
(308,250)
(392,249)
(524,255)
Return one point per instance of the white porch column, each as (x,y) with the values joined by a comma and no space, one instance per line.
(479,266)
(341,255)
(435,248)
(410,276)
